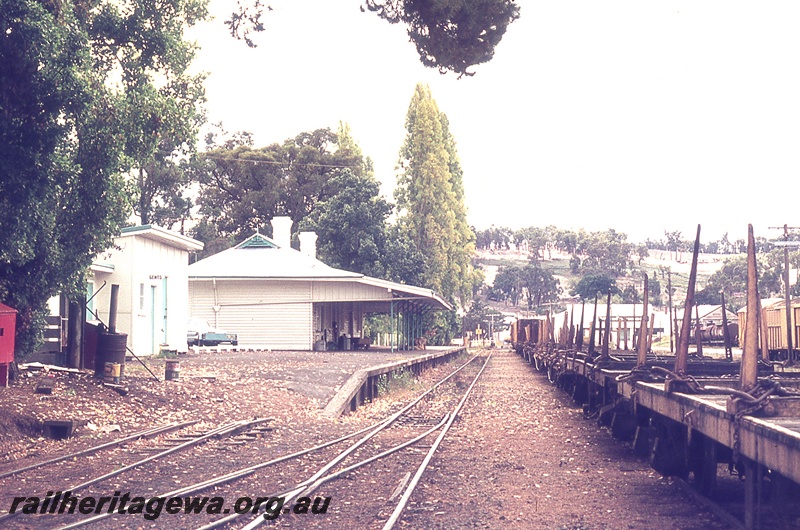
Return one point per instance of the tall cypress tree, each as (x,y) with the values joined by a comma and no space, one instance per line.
(430,198)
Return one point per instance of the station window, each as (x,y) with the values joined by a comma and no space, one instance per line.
(141,297)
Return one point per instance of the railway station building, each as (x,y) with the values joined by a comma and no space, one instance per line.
(275,297)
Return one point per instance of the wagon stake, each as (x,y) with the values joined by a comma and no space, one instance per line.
(682,351)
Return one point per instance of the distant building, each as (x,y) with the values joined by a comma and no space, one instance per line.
(774,314)
(275,297)
(626,319)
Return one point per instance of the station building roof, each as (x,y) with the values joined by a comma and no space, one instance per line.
(261,258)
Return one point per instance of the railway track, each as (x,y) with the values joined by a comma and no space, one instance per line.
(146,433)
(147,448)
(300,474)
(407,482)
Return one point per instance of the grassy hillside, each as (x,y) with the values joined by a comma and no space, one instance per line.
(658,267)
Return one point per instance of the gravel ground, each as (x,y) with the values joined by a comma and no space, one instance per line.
(521,455)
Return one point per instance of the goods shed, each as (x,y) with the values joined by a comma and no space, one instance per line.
(276,297)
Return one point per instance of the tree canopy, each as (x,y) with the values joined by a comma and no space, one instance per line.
(351,224)
(70,75)
(242,187)
(536,285)
(593,285)
(731,280)
(451,35)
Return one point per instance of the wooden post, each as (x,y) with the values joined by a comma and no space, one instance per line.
(787,297)
(749,494)
(749,368)
(75,320)
(112,311)
(641,358)
(697,331)
(762,319)
(672,323)
(607,327)
(570,338)
(708,477)
(726,334)
(682,352)
(625,324)
(590,350)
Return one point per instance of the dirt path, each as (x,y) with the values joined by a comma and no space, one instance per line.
(522,456)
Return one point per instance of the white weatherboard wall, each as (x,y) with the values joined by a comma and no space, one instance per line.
(153,291)
(270,314)
(347,291)
(161,315)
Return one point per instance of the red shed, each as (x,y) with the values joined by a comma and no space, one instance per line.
(8,325)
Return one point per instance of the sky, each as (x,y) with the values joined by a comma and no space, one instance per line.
(642,117)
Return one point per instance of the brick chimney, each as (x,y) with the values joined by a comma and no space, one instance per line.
(308,243)
(282,231)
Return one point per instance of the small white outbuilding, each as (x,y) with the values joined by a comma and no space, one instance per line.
(150,265)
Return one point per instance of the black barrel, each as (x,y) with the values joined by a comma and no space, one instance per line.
(111,348)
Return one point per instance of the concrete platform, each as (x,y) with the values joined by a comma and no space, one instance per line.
(316,374)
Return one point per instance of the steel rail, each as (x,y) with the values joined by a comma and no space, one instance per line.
(327,478)
(414,481)
(299,488)
(251,469)
(222,479)
(219,431)
(187,490)
(147,433)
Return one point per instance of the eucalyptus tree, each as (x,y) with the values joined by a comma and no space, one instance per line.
(592,285)
(69,75)
(536,238)
(604,252)
(539,286)
(531,282)
(508,283)
(731,280)
(500,237)
(351,224)
(242,187)
(161,180)
(430,201)
(403,261)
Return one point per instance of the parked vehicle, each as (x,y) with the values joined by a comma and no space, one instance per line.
(202,333)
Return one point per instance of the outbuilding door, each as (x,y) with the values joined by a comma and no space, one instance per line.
(153,319)
(164,311)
